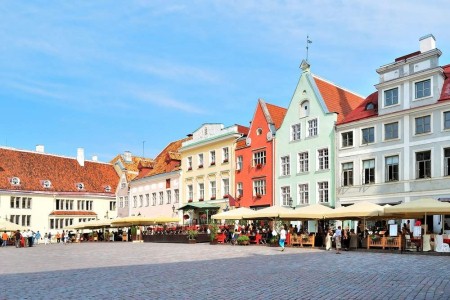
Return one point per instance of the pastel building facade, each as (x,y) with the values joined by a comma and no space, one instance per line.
(156,190)
(207,164)
(48,192)
(395,147)
(305,141)
(255,158)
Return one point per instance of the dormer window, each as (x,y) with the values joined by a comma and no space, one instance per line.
(107,188)
(80,186)
(47,184)
(370,106)
(15,181)
(304,109)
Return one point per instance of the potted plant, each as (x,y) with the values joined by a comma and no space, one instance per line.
(133,233)
(243,240)
(213,229)
(273,242)
(192,235)
(305,238)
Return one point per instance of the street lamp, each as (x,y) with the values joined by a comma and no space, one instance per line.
(173,208)
(291,203)
(107,215)
(226,208)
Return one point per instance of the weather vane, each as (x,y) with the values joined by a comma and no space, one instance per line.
(308,41)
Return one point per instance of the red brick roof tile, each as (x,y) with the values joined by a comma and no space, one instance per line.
(445,94)
(277,113)
(72,213)
(64,173)
(337,99)
(362,111)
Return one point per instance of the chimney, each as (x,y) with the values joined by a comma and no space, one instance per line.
(80,156)
(427,43)
(94,158)
(40,148)
(127,157)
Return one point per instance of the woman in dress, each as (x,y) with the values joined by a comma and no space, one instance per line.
(328,240)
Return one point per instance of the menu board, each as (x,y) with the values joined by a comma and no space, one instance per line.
(393,230)
(417,231)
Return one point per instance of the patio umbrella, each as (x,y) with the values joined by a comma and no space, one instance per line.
(363,209)
(131,221)
(234,214)
(9,226)
(94,224)
(310,212)
(268,212)
(420,207)
(165,219)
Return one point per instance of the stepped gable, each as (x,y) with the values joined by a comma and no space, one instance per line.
(367,109)
(445,94)
(64,173)
(337,99)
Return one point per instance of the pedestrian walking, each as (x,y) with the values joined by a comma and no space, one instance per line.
(337,238)
(283,237)
(37,237)
(5,238)
(46,238)
(18,238)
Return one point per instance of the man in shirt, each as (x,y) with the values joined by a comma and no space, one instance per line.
(337,238)
(4,238)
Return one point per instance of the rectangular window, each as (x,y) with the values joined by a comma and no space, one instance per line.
(126,201)
(447,120)
(240,189)
(285,166)
(134,201)
(212,157)
(12,202)
(212,186)
(347,174)
(285,195)
(190,192)
(423,88)
(239,161)
(368,135)
(112,205)
(303,165)
(312,127)
(423,164)
(295,132)
(200,160)
(447,162)
(147,200)
(391,131)
(259,158)
(141,200)
(392,168)
(226,186)
(154,199)
(323,159)
(323,191)
(201,191)
(369,171)
(161,198)
(189,163)
(225,153)
(169,196)
(177,195)
(303,193)
(168,183)
(120,203)
(259,187)
(423,124)
(347,139)
(391,97)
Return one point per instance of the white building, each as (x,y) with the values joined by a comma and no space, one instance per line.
(49,192)
(395,147)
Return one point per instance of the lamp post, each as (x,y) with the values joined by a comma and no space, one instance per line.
(226,208)
(173,208)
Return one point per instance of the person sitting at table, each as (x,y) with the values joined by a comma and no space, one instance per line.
(234,237)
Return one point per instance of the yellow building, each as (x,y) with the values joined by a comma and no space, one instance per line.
(208,167)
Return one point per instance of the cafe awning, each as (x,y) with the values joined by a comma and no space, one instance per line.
(422,206)
(269,212)
(363,209)
(310,212)
(199,205)
(9,226)
(234,214)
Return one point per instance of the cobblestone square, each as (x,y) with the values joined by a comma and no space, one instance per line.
(201,271)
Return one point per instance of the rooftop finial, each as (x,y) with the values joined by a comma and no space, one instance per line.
(308,41)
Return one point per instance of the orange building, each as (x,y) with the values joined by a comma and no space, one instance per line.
(255,158)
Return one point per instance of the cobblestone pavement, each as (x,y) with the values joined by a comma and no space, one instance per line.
(200,271)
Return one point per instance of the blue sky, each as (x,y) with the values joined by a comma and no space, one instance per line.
(109,75)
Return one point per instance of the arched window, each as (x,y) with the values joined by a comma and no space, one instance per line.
(370,106)
(259,131)
(304,109)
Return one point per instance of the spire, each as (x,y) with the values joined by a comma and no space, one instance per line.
(308,41)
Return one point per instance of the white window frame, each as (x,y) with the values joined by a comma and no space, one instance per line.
(189,162)
(303,162)
(303,193)
(415,88)
(285,165)
(259,187)
(417,169)
(388,166)
(313,130)
(373,135)
(212,157)
(430,125)
(364,168)
(398,131)
(161,198)
(323,159)
(285,196)
(200,159)
(190,192)
(240,189)
(213,189)
(169,196)
(348,173)
(201,191)
(153,199)
(385,98)
(225,154)
(259,157)
(323,191)
(239,163)
(226,186)
(347,139)
(444,127)
(296,132)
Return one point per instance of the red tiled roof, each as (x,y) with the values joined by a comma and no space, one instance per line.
(64,173)
(337,99)
(241,144)
(445,94)
(277,113)
(132,168)
(361,112)
(242,129)
(407,56)
(167,161)
(72,213)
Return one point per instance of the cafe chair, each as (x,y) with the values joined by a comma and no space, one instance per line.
(408,244)
(440,245)
(353,241)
